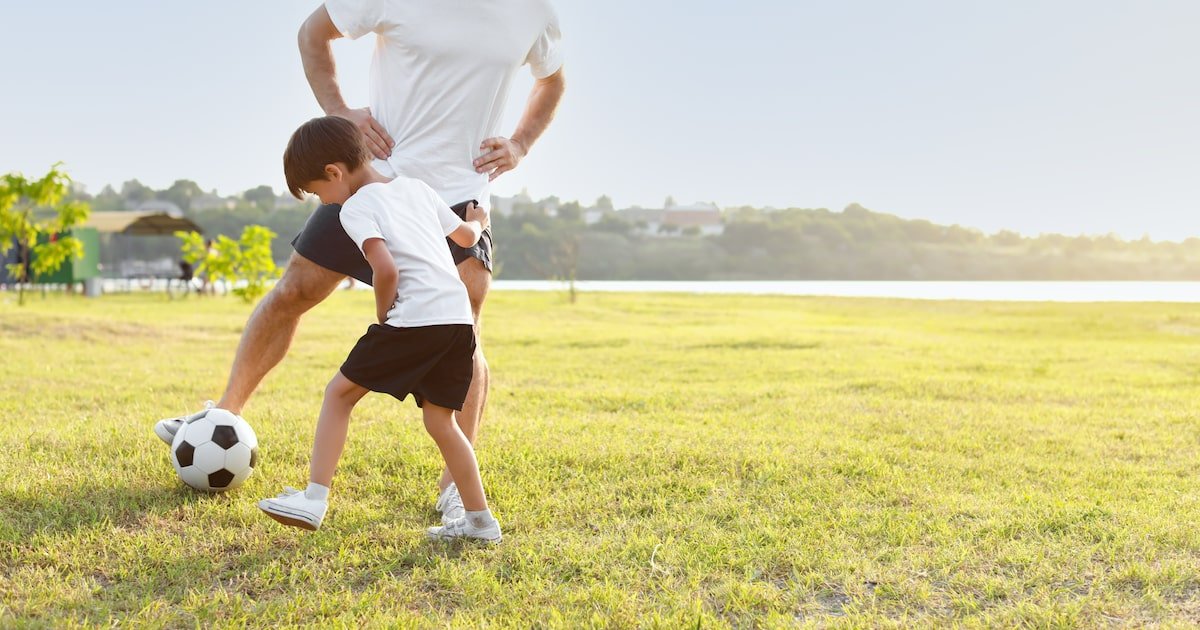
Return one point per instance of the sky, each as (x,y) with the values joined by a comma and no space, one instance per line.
(1071,116)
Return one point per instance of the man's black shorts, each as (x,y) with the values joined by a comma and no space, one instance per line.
(323,241)
(433,363)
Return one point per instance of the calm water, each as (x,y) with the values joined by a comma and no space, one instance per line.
(988,291)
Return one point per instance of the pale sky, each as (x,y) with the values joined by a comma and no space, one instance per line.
(1037,115)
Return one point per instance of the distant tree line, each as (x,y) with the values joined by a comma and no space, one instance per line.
(218,215)
(803,244)
(794,243)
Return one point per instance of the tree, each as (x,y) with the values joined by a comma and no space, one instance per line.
(261,196)
(136,192)
(29,208)
(247,259)
(181,193)
(604,202)
(570,212)
(108,200)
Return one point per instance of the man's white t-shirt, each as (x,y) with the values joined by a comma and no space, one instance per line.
(413,221)
(440,78)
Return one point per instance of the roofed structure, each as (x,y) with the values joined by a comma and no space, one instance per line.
(140,223)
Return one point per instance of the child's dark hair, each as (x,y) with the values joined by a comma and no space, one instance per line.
(318,142)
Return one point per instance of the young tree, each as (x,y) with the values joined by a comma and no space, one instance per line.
(33,207)
(246,259)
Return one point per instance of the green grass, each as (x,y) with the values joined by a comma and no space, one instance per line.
(655,460)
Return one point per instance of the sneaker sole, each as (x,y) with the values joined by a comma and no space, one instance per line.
(161,432)
(485,541)
(290,521)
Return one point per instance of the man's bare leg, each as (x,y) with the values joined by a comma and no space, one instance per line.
(270,329)
(478,280)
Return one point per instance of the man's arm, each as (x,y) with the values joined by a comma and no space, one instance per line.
(468,232)
(317,54)
(505,153)
(385,277)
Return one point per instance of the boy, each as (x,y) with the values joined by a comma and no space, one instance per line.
(424,341)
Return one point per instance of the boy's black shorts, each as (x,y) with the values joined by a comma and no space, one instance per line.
(433,363)
(323,241)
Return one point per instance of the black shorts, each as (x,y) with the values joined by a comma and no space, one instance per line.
(433,363)
(323,241)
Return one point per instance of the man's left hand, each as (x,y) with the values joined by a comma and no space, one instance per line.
(500,156)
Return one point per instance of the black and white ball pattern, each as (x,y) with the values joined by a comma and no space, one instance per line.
(215,453)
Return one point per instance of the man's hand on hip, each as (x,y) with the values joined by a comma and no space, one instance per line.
(377,139)
(500,156)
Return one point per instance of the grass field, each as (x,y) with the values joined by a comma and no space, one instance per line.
(655,460)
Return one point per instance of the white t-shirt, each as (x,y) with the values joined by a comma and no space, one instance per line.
(413,222)
(440,78)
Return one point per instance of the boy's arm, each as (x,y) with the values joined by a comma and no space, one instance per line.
(468,232)
(386,278)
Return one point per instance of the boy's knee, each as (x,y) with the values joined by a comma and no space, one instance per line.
(340,388)
(438,427)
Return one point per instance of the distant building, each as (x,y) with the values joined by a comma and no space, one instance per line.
(644,220)
(212,201)
(705,217)
(506,206)
(502,206)
(701,218)
(592,216)
(161,206)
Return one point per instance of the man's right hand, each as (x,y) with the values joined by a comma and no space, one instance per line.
(480,214)
(377,139)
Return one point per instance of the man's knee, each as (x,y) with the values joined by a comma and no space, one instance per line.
(481,364)
(304,285)
(478,281)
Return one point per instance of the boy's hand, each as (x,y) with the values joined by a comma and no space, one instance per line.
(479,214)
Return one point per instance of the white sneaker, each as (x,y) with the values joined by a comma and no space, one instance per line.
(462,528)
(450,504)
(292,507)
(166,428)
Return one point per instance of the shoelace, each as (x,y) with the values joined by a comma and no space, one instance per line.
(187,418)
(287,492)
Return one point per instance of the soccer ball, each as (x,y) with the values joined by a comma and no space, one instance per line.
(215,453)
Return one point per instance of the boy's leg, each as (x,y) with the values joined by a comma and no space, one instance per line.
(267,336)
(306,509)
(478,281)
(457,453)
(269,331)
(340,397)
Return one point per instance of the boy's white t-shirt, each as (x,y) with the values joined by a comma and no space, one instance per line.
(413,221)
(440,78)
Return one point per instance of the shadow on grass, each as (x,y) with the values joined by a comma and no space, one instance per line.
(24,514)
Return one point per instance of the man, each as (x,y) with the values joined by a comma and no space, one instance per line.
(439,82)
